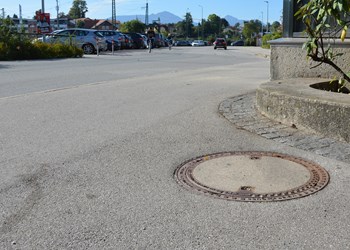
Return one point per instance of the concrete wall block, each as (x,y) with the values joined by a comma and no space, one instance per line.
(306,110)
(289,60)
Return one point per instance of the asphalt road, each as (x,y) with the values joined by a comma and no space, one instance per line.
(88,150)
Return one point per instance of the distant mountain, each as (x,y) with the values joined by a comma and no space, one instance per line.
(232,20)
(164,17)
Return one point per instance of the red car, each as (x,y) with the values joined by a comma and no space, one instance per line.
(220,43)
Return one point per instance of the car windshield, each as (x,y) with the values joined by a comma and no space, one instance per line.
(98,34)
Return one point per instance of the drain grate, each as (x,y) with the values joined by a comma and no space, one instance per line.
(252,176)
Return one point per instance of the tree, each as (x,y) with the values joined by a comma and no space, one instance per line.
(15,16)
(133,26)
(251,28)
(78,9)
(324,20)
(185,27)
(276,27)
(62,15)
(80,24)
(6,31)
(215,25)
(188,23)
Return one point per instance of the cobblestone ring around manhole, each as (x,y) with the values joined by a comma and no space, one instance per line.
(252,176)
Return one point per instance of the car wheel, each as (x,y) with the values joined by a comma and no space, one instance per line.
(88,48)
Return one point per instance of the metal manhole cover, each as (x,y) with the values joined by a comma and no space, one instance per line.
(252,176)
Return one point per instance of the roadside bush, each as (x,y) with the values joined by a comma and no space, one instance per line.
(269,37)
(26,50)
(250,42)
(211,39)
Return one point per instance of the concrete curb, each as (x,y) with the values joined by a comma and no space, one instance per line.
(242,112)
(294,102)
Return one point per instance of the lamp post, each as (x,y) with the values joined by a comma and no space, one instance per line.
(202,24)
(58,19)
(267,18)
(187,24)
(262,23)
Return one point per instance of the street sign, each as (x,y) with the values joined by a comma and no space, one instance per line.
(43,23)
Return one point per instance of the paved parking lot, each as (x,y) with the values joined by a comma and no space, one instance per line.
(89,148)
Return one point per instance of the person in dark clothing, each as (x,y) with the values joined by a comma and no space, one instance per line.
(150,35)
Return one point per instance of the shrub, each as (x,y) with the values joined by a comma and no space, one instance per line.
(26,50)
(250,42)
(269,37)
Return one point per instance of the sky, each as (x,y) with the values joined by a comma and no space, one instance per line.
(101,9)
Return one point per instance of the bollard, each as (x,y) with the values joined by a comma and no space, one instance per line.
(97,47)
(112,46)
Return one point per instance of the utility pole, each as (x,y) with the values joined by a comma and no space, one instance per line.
(146,15)
(43,6)
(20,18)
(114,15)
(3,13)
(58,19)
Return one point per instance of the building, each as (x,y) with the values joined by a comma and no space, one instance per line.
(98,24)
(30,25)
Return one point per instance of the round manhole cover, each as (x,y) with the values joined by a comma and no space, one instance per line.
(252,176)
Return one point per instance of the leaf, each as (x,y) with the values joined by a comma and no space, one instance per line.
(340,6)
(343,35)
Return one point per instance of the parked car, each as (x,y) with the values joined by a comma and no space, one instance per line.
(112,36)
(220,43)
(137,39)
(117,45)
(158,41)
(145,40)
(238,43)
(198,43)
(41,38)
(182,43)
(129,43)
(87,39)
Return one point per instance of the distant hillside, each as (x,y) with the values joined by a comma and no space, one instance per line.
(164,17)
(232,20)
(167,17)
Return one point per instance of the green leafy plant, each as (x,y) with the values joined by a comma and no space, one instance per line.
(269,37)
(324,21)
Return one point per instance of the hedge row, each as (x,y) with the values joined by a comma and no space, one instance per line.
(26,50)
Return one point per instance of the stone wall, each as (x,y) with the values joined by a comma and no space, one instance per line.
(288,60)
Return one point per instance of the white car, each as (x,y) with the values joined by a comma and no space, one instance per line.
(198,43)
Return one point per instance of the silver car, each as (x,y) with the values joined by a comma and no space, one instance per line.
(87,39)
